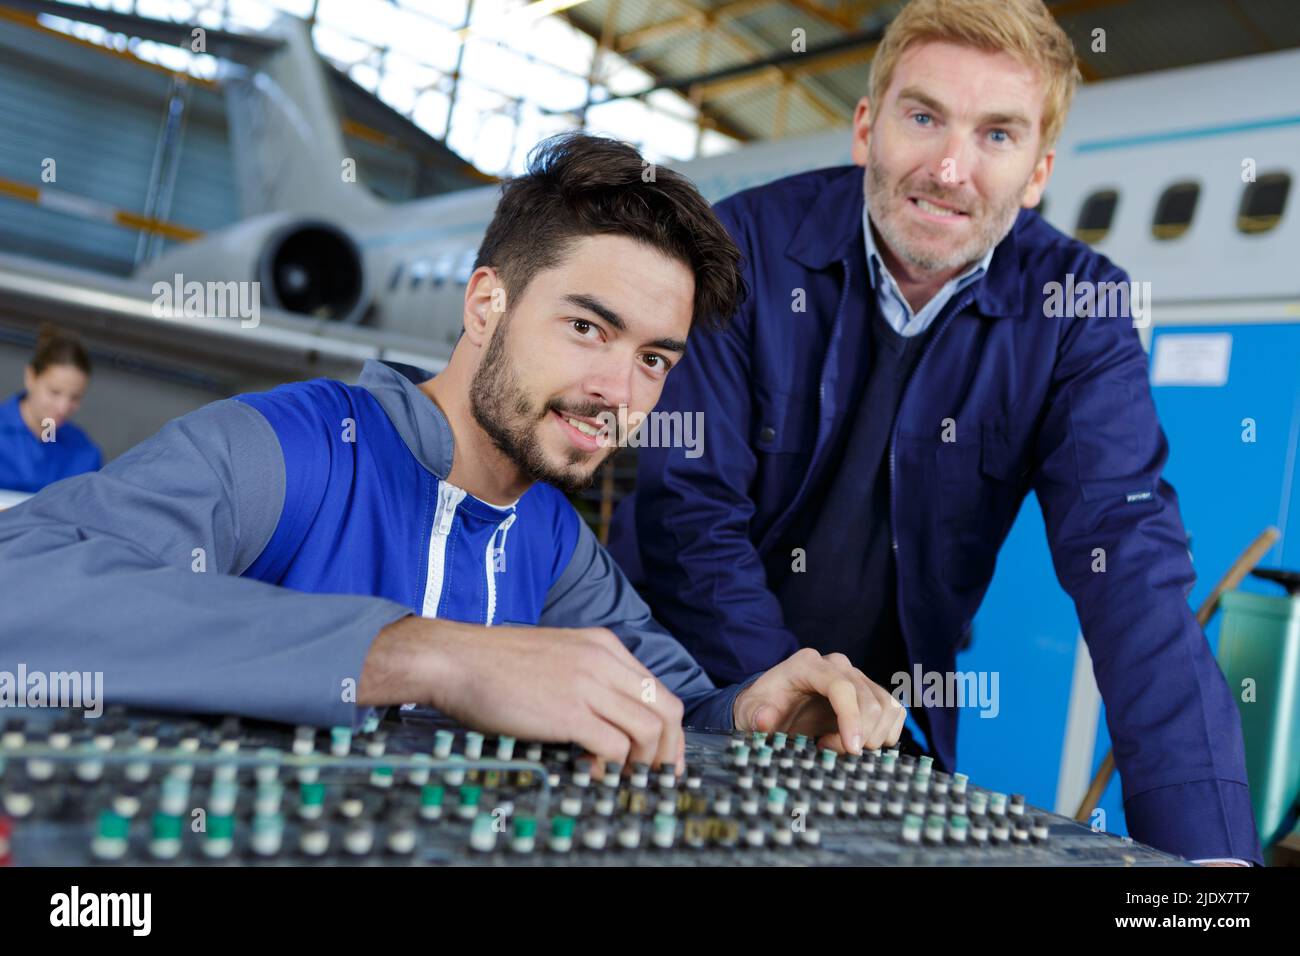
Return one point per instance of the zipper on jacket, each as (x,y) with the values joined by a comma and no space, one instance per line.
(490,563)
(449,498)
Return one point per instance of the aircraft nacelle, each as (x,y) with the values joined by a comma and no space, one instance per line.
(309,266)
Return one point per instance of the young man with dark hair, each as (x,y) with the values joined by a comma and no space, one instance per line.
(419,513)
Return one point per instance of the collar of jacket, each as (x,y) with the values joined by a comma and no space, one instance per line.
(830,230)
(417,417)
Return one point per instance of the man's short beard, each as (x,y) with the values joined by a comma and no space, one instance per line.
(887,207)
(504,411)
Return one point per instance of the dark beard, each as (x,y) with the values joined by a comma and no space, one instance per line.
(504,411)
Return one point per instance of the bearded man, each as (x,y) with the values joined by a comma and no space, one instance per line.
(314,552)
(877,411)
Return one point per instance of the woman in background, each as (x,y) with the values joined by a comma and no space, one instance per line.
(38,445)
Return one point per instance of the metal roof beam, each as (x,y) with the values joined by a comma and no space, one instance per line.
(824,14)
(711,118)
(695,19)
(860,43)
(801,80)
(219,43)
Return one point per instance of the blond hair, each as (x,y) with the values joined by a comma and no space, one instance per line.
(1023,28)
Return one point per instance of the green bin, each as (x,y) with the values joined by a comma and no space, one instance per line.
(1259,646)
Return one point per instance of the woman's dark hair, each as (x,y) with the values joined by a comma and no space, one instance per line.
(580,185)
(56,347)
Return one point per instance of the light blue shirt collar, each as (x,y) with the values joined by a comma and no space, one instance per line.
(895,308)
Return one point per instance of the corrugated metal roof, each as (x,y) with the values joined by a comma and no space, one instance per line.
(686,39)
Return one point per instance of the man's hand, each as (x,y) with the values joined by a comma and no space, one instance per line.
(552,684)
(823,697)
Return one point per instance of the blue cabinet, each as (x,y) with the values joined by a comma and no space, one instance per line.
(1229,490)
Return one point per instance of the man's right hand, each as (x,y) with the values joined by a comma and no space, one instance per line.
(550,684)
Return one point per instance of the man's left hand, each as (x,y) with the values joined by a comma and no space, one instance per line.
(825,697)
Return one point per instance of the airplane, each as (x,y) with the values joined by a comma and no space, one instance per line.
(1151,169)
(1124,166)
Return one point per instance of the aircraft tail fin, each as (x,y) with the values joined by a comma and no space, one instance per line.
(286,135)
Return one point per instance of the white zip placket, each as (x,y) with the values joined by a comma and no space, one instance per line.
(449,498)
(491,565)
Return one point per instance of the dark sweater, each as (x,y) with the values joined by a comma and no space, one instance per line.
(847,524)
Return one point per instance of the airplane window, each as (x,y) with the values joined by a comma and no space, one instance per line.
(419,270)
(1263,202)
(442,269)
(465,268)
(1096,216)
(1175,209)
